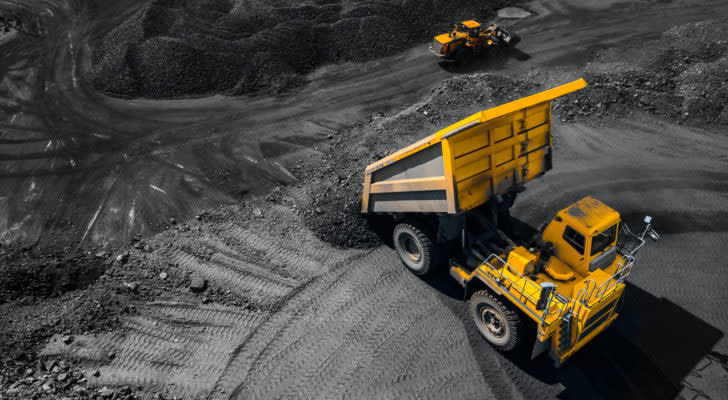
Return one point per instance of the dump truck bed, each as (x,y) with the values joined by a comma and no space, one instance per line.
(468,163)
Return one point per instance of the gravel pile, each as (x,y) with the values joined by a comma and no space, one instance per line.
(682,75)
(172,48)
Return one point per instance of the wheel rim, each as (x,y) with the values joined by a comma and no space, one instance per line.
(493,322)
(410,247)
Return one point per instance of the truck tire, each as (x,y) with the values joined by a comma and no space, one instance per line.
(499,323)
(463,56)
(416,247)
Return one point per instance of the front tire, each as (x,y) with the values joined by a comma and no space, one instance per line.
(499,323)
(416,247)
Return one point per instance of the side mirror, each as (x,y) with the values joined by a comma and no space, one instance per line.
(649,230)
(654,235)
(547,288)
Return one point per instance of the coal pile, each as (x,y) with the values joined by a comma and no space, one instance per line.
(682,75)
(172,48)
(334,213)
(28,275)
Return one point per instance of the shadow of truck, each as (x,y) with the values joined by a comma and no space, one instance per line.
(648,352)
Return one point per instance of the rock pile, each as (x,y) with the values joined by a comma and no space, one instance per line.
(174,48)
(682,75)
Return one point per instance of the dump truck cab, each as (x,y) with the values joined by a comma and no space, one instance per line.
(575,274)
(450,194)
(584,235)
(568,280)
(469,38)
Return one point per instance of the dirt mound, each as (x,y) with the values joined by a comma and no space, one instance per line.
(189,47)
(334,212)
(682,75)
(46,275)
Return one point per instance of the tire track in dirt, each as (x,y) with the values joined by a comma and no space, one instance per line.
(337,326)
(298,261)
(166,344)
(232,276)
(181,346)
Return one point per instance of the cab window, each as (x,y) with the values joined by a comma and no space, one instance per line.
(574,239)
(603,239)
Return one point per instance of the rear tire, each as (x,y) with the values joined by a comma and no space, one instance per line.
(416,247)
(499,323)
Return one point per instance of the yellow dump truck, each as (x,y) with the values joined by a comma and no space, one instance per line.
(450,194)
(468,39)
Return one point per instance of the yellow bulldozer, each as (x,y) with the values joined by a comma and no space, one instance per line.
(450,194)
(468,39)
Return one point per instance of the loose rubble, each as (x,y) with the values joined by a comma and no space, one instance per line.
(59,379)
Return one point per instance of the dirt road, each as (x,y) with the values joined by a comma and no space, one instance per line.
(78,167)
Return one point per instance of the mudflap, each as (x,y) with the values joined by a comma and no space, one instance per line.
(539,348)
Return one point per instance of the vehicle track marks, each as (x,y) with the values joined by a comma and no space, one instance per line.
(338,325)
(232,276)
(187,355)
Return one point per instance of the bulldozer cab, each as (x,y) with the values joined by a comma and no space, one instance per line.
(468,28)
(584,235)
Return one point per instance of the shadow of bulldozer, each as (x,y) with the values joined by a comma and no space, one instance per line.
(491,59)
